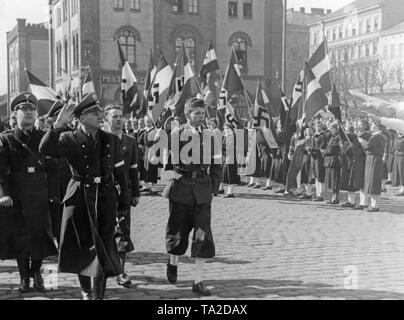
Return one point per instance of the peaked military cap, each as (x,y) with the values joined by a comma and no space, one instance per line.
(56,108)
(89,102)
(23,98)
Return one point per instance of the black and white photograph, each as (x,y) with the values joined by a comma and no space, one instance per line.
(212,151)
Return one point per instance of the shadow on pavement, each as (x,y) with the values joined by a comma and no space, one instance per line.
(258,289)
(145,258)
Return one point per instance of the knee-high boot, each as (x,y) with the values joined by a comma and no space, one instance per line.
(85,284)
(100,285)
(23,268)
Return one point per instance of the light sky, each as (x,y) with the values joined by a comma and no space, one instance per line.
(35,11)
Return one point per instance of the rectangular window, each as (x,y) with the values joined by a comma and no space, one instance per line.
(247,9)
(75,49)
(75,7)
(368,26)
(134,5)
(361,31)
(340,33)
(178,6)
(374,48)
(119,5)
(193,6)
(393,51)
(65,5)
(401,50)
(354,31)
(66,58)
(59,17)
(233,8)
(367,50)
(59,59)
(334,34)
(376,24)
(385,52)
(316,38)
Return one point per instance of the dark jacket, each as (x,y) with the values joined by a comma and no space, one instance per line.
(87,244)
(27,225)
(196,182)
(130,156)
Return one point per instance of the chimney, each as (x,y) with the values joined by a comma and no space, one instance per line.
(302,10)
(317,11)
(329,11)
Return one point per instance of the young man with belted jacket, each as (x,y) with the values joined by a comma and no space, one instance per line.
(191,192)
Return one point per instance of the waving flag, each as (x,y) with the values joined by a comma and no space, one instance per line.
(159,89)
(191,85)
(210,64)
(313,100)
(296,98)
(45,95)
(130,97)
(316,99)
(335,104)
(262,118)
(232,84)
(151,71)
(320,64)
(177,82)
(88,85)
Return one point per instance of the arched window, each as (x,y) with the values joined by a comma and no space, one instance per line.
(191,50)
(127,40)
(189,46)
(240,47)
(178,44)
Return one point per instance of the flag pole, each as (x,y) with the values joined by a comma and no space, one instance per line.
(26,74)
(285,5)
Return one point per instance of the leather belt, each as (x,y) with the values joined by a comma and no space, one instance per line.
(192,174)
(91,180)
(29,170)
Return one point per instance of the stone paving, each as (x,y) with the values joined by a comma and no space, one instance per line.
(268,247)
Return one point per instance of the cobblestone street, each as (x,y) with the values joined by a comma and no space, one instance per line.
(268,247)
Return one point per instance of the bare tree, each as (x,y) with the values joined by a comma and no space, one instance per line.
(399,73)
(382,76)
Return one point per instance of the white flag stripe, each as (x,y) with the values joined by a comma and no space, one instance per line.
(163,78)
(285,103)
(322,68)
(210,56)
(188,72)
(43,93)
(128,77)
(88,87)
(264,97)
(312,87)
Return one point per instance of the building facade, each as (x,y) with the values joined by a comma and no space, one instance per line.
(391,49)
(27,45)
(85,34)
(353,34)
(298,41)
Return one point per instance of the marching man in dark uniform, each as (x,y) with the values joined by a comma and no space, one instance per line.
(23,189)
(87,242)
(114,116)
(190,193)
